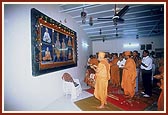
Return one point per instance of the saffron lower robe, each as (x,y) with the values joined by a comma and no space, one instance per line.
(161,97)
(102,77)
(129,78)
(114,72)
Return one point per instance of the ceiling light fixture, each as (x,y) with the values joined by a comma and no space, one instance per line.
(100,31)
(91,21)
(83,16)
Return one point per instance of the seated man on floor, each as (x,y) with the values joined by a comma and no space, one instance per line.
(67,77)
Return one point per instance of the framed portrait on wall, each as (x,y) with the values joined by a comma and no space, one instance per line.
(142,47)
(149,46)
(54,46)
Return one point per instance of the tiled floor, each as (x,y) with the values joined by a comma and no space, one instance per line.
(65,104)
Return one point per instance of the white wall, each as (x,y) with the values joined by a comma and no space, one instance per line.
(22,91)
(116,45)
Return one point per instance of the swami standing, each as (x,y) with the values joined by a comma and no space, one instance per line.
(129,76)
(102,77)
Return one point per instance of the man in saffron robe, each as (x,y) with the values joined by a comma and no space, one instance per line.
(93,61)
(114,71)
(160,76)
(102,77)
(129,76)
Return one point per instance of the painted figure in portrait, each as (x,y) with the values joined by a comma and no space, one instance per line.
(46,36)
(47,56)
(57,48)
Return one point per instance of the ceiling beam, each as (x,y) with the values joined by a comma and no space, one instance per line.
(79,8)
(133,23)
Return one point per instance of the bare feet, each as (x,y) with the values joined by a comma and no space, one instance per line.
(100,107)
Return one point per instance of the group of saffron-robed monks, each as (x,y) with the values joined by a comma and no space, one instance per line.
(128,83)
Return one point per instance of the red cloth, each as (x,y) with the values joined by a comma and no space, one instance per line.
(122,102)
